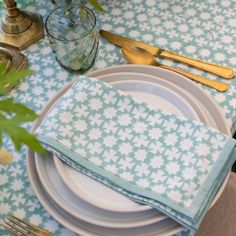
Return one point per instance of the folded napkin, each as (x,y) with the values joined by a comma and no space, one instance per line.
(174,164)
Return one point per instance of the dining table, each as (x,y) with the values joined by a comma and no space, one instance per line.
(200,29)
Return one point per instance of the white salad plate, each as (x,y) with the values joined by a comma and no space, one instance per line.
(92,222)
(98,194)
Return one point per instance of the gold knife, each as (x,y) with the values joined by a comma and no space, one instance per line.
(223,71)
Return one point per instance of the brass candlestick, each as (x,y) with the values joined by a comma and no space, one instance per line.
(20,29)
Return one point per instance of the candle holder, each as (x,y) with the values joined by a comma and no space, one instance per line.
(20,29)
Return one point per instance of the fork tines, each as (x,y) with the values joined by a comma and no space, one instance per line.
(18,227)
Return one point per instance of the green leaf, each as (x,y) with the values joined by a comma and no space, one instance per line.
(19,119)
(96,5)
(0,137)
(2,68)
(3,91)
(32,141)
(19,135)
(12,114)
(9,106)
(12,77)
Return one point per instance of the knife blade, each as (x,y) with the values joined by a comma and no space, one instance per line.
(223,71)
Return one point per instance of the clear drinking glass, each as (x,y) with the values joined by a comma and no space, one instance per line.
(73,36)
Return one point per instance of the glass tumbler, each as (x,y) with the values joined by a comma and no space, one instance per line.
(73,36)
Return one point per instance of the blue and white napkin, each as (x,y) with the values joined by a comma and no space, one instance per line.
(171,163)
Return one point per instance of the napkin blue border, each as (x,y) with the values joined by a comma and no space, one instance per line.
(189,216)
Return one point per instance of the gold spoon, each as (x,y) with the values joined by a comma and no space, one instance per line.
(135,55)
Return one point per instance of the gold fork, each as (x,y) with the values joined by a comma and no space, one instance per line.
(20,227)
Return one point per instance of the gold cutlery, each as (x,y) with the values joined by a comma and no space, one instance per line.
(135,55)
(223,71)
(19,227)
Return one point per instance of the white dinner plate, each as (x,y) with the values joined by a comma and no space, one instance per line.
(97,194)
(204,102)
(164,228)
(82,210)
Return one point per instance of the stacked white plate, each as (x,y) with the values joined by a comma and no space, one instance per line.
(90,208)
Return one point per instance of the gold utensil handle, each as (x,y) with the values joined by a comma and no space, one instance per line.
(219,86)
(223,71)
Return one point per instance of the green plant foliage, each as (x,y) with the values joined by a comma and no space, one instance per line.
(96,5)
(11,78)
(13,114)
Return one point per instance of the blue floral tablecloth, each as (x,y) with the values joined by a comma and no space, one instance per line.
(196,28)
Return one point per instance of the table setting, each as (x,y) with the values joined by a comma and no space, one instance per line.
(136,113)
